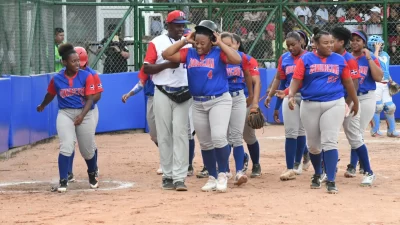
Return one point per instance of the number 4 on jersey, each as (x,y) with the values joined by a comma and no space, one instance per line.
(210,75)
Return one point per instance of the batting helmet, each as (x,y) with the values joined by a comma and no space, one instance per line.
(83,56)
(207,24)
(372,40)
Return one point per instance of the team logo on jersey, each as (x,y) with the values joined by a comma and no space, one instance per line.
(234,71)
(363,70)
(67,92)
(289,69)
(99,86)
(91,87)
(255,68)
(325,68)
(203,63)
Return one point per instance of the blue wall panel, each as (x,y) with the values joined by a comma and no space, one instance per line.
(114,114)
(5,113)
(20,111)
(39,121)
(53,111)
(267,76)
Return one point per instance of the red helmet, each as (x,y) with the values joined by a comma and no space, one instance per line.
(83,56)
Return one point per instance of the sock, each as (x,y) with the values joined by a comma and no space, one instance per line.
(238,154)
(227,165)
(376,121)
(210,162)
(362,153)
(191,151)
(301,146)
(331,159)
(290,152)
(354,157)
(63,166)
(71,162)
(254,151)
(91,164)
(222,155)
(316,161)
(95,154)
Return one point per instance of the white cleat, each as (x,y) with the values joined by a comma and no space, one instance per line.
(222,183)
(298,168)
(229,175)
(211,184)
(240,178)
(159,171)
(368,179)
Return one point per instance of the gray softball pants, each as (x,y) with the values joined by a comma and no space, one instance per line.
(367,107)
(351,127)
(237,119)
(293,125)
(151,119)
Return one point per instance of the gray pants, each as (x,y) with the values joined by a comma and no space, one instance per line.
(172,126)
(293,125)
(322,122)
(151,119)
(249,134)
(68,132)
(237,120)
(351,127)
(367,106)
(211,121)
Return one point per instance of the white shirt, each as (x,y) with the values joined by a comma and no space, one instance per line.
(353,26)
(169,77)
(374,29)
(340,12)
(298,11)
(323,13)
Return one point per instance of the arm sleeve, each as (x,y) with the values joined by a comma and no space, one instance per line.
(253,67)
(346,72)
(353,67)
(151,54)
(279,100)
(89,87)
(282,74)
(299,70)
(97,83)
(51,88)
(183,53)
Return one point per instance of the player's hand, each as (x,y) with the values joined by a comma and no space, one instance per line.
(367,53)
(378,46)
(173,65)
(276,116)
(280,94)
(126,96)
(39,108)
(267,102)
(354,109)
(78,120)
(217,39)
(190,38)
(291,102)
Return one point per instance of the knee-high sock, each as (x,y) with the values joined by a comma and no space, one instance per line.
(354,157)
(362,153)
(290,151)
(63,166)
(95,154)
(71,162)
(305,149)
(238,154)
(331,159)
(301,146)
(210,161)
(254,151)
(376,122)
(222,155)
(227,163)
(316,161)
(391,122)
(91,164)
(191,151)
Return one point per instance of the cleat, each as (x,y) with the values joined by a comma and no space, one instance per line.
(211,184)
(256,171)
(245,163)
(393,134)
(190,171)
(240,178)
(229,175)
(222,182)
(71,178)
(159,171)
(62,187)
(289,174)
(368,180)
(203,173)
(350,172)
(94,179)
(324,178)
(376,134)
(180,186)
(316,181)
(331,187)
(168,184)
(298,168)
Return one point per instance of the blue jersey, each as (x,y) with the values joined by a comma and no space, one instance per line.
(236,75)
(149,87)
(384,61)
(366,82)
(321,76)
(286,65)
(207,74)
(71,91)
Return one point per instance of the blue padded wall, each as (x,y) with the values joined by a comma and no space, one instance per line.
(5,113)
(53,110)
(39,121)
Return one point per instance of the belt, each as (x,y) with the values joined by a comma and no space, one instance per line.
(362,93)
(173,89)
(205,98)
(235,93)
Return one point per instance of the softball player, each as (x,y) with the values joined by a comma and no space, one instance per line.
(208,84)
(322,75)
(74,89)
(370,72)
(383,99)
(83,64)
(294,131)
(351,124)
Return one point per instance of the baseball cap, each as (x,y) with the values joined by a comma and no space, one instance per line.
(375,9)
(176,16)
(186,32)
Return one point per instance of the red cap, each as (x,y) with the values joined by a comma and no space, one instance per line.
(176,16)
(83,56)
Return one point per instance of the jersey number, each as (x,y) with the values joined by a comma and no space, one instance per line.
(361,81)
(332,79)
(210,75)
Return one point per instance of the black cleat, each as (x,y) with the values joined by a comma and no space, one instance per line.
(71,178)
(62,187)
(190,170)
(331,187)
(203,173)
(245,163)
(350,172)
(316,181)
(180,186)
(255,171)
(167,184)
(94,179)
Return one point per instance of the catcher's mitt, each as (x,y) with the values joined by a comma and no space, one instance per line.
(394,88)
(256,120)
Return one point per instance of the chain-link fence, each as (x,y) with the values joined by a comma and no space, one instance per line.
(116,32)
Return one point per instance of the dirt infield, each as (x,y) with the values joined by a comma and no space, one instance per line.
(132,160)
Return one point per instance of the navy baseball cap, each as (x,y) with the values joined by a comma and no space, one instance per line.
(177,16)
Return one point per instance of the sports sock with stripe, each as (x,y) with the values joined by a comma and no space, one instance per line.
(354,157)
(331,159)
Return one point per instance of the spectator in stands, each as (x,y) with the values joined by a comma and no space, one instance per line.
(302,20)
(156,27)
(341,11)
(332,22)
(374,26)
(303,11)
(117,53)
(322,16)
(254,21)
(238,29)
(58,39)
(351,17)
(393,21)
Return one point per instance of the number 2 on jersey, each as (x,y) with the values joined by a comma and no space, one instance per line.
(210,75)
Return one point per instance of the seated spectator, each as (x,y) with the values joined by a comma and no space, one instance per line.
(332,22)
(396,35)
(341,11)
(303,11)
(351,17)
(238,29)
(374,26)
(298,26)
(322,15)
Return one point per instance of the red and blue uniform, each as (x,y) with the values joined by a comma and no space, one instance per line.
(207,75)
(366,82)
(236,75)
(286,65)
(97,82)
(321,76)
(252,66)
(353,67)
(71,91)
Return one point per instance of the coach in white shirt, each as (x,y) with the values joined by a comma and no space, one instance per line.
(171,104)
(374,24)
